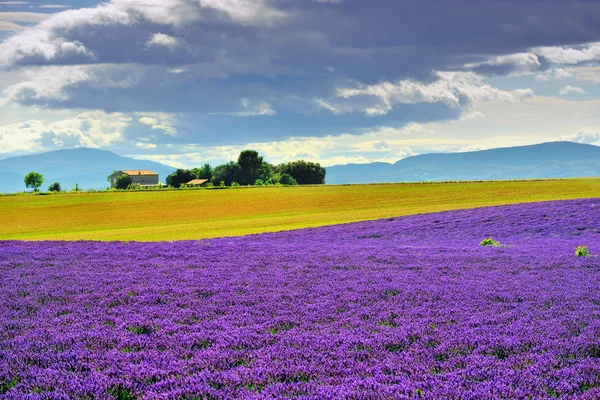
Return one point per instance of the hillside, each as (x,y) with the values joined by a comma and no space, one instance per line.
(545,160)
(86,167)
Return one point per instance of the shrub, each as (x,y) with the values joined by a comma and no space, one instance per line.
(489,242)
(582,251)
(55,187)
(123,182)
(259,182)
(235,184)
(287,179)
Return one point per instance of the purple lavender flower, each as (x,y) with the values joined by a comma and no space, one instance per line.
(403,308)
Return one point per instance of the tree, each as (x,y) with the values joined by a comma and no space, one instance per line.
(266,171)
(250,165)
(123,182)
(304,172)
(55,187)
(287,179)
(180,177)
(33,180)
(227,173)
(204,172)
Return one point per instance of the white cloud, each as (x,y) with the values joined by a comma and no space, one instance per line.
(571,89)
(251,109)
(9,26)
(515,64)
(52,83)
(554,74)
(8,20)
(160,39)
(88,129)
(159,121)
(23,16)
(591,74)
(569,55)
(59,38)
(455,89)
(145,146)
(474,115)
(587,136)
(47,83)
(51,6)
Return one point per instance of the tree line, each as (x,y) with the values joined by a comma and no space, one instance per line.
(251,169)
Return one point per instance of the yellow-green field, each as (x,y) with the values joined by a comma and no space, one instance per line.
(194,214)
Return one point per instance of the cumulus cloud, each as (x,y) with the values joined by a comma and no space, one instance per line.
(88,129)
(159,121)
(197,58)
(454,89)
(587,136)
(511,64)
(571,89)
(569,55)
(44,84)
(160,39)
(554,74)
(90,35)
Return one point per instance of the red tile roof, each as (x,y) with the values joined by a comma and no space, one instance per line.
(133,172)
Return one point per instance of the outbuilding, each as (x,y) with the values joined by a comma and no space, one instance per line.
(197,182)
(142,177)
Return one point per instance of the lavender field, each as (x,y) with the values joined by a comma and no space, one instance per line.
(411,307)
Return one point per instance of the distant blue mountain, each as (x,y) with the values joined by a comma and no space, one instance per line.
(545,160)
(86,167)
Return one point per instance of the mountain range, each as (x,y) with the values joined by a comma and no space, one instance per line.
(85,167)
(89,168)
(545,160)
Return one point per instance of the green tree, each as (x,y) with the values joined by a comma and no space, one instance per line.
(304,172)
(180,177)
(123,182)
(287,179)
(266,171)
(55,187)
(226,173)
(250,166)
(33,180)
(204,172)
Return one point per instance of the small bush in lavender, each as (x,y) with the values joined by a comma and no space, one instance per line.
(582,251)
(489,242)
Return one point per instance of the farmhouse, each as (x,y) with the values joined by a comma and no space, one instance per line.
(143,177)
(197,182)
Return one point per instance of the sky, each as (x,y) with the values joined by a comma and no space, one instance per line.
(185,82)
